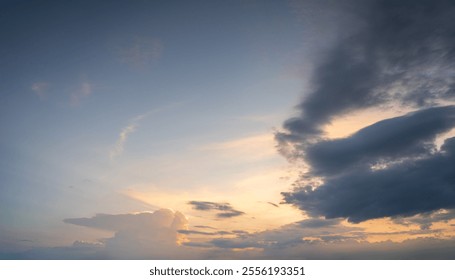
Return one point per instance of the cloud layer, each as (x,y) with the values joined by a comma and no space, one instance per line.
(325,239)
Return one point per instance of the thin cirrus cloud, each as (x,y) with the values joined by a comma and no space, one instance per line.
(118,148)
(402,54)
(85,90)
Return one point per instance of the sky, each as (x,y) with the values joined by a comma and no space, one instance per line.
(297,129)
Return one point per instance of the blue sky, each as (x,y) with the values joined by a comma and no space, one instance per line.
(224,112)
(179,74)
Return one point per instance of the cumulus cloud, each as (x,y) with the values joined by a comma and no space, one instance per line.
(224,210)
(164,234)
(145,235)
(400,54)
(141,235)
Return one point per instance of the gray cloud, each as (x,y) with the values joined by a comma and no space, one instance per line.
(399,52)
(392,139)
(318,223)
(134,222)
(326,239)
(273,204)
(225,210)
(404,189)
(287,236)
(415,249)
(426,220)
(75,252)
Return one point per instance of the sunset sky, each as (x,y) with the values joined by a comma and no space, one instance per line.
(297,129)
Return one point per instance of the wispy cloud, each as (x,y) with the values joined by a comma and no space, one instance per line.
(250,148)
(40,89)
(131,127)
(118,148)
(84,90)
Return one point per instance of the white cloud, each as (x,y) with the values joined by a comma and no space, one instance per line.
(142,235)
(118,148)
(40,89)
(84,90)
(164,234)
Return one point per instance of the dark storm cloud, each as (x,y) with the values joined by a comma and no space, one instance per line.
(401,53)
(404,189)
(392,139)
(225,210)
(404,52)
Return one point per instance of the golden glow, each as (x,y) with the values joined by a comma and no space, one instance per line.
(254,195)
(346,125)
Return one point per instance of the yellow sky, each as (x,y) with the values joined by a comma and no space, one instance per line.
(253,176)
